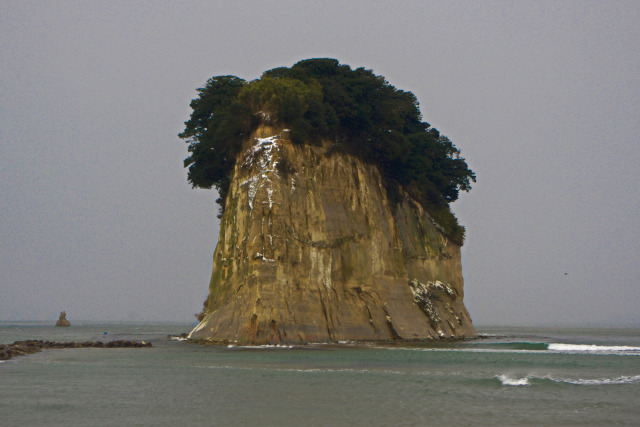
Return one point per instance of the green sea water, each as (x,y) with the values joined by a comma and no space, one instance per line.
(512,376)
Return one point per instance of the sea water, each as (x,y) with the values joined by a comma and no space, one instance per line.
(512,376)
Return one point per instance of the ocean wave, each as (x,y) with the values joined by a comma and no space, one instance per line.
(469,350)
(533,348)
(604,381)
(592,348)
(341,370)
(261,347)
(509,380)
(303,370)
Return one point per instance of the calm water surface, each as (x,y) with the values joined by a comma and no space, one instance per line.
(514,376)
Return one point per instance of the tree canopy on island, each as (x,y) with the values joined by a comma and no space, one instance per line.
(323,99)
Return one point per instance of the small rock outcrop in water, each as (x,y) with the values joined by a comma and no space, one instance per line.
(21,348)
(311,249)
(62,320)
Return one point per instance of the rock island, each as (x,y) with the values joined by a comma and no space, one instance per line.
(334,222)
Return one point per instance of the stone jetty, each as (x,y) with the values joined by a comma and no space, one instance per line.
(21,348)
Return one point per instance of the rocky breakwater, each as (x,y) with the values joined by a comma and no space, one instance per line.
(312,250)
(21,348)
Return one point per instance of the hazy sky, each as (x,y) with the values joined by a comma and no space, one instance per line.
(543,99)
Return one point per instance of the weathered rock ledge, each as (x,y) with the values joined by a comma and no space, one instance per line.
(21,348)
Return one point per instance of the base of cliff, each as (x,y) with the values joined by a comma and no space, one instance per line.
(417,343)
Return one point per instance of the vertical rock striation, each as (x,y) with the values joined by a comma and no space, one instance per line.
(311,250)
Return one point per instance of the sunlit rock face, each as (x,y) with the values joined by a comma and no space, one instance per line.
(311,250)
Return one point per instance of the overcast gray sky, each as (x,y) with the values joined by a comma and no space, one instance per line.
(543,99)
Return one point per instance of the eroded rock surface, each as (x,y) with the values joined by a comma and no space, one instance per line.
(311,250)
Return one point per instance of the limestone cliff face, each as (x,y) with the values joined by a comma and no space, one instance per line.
(311,250)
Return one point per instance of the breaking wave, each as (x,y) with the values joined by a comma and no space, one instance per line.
(536,348)
(592,348)
(509,380)
(261,347)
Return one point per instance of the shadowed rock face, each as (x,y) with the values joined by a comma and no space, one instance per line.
(310,250)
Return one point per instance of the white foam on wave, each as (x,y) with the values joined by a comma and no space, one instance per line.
(606,381)
(468,350)
(505,379)
(592,348)
(551,348)
(261,347)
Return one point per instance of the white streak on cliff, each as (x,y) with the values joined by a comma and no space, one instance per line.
(261,156)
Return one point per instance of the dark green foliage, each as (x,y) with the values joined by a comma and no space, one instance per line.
(321,98)
(214,133)
(281,100)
